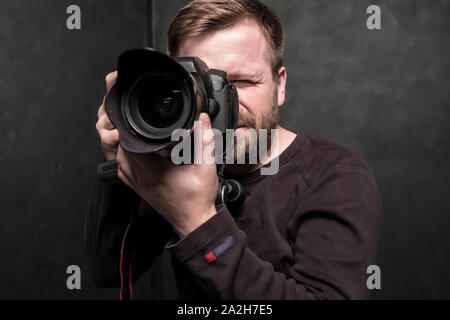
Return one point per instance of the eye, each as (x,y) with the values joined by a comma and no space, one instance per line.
(243,83)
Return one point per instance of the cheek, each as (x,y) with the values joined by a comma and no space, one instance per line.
(254,100)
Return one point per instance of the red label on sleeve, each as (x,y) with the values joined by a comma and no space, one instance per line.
(209,257)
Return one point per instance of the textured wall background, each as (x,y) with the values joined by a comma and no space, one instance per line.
(384,94)
(51,85)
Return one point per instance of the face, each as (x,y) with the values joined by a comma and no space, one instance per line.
(241,50)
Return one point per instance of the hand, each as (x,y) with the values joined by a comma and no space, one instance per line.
(184,195)
(109,135)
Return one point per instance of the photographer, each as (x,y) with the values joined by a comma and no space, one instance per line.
(308,232)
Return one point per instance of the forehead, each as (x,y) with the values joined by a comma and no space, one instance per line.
(234,49)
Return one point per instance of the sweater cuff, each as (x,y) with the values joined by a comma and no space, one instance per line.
(216,235)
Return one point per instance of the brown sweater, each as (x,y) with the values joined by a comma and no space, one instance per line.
(308,232)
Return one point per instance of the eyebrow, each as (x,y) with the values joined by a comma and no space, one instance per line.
(254,76)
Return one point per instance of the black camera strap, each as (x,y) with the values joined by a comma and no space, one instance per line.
(231,193)
(107,171)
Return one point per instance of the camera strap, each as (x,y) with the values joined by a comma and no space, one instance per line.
(107,171)
(230,192)
(127,252)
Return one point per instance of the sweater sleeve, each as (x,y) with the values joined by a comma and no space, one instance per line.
(333,236)
(112,207)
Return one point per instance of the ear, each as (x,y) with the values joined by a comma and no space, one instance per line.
(281,89)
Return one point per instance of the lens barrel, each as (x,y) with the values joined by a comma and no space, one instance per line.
(155,95)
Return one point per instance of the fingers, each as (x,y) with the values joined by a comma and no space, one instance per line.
(109,135)
(103,119)
(110,138)
(104,126)
(101,110)
(104,122)
(109,79)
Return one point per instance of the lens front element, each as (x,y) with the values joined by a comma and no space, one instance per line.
(158,104)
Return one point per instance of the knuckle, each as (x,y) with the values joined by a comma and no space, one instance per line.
(106,141)
(101,119)
(100,110)
(111,137)
(109,77)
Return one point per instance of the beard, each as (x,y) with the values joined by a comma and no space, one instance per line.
(247,145)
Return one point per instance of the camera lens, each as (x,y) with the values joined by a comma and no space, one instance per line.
(162,107)
(158,104)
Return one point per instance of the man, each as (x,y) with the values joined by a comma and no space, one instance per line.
(308,232)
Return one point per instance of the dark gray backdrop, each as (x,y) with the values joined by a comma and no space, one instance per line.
(384,94)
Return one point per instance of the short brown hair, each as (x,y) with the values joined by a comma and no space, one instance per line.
(202,16)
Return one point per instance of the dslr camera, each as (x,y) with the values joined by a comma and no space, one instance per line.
(155,94)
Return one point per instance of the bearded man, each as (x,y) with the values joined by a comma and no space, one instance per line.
(307,232)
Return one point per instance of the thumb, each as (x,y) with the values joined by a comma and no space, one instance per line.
(208,140)
(207,133)
(205,120)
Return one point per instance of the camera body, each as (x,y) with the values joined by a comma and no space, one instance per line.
(154,95)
